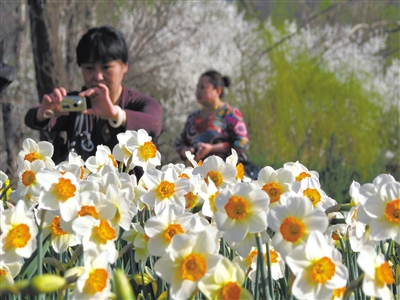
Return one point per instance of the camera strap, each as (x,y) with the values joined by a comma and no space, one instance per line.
(82,138)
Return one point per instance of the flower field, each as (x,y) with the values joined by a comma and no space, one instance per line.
(91,230)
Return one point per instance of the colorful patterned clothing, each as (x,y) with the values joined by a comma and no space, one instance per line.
(226,125)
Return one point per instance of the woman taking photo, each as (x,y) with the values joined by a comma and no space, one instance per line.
(217,126)
(111,107)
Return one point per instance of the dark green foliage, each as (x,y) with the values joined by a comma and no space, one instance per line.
(330,124)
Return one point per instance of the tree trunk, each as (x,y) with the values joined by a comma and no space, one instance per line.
(43,56)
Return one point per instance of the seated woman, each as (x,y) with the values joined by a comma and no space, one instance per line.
(217,126)
(112,108)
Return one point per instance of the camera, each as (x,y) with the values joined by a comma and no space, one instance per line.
(73,103)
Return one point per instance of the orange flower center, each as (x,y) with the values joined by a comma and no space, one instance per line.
(191,200)
(3,272)
(251,255)
(338,293)
(55,226)
(147,150)
(114,162)
(96,281)
(384,275)
(237,208)
(82,172)
(322,270)
(273,256)
(64,189)
(292,229)
(28,177)
(172,230)
(31,156)
(87,210)
(231,291)
(313,195)
(104,232)
(184,175)
(302,175)
(273,190)
(194,267)
(18,237)
(215,177)
(392,211)
(166,189)
(240,172)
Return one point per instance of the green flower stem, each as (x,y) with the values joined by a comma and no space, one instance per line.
(222,247)
(39,241)
(345,257)
(270,283)
(261,266)
(284,287)
(78,251)
(256,290)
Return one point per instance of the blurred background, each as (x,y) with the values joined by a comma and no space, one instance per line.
(317,81)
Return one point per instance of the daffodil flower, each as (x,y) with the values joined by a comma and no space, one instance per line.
(8,271)
(74,165)
(277,264)
(27,182)
(125,210)
(144,152)
(293,221)
(225,283)
(300,171)
(241,209)
(164,189)
(188,259)
(214,168)
(18,233)
(94,283)
(32,151)
(138,237)
(120,151)
(384,210)
(311,188)
(317,267)
(60,192)
(274,182)
(96,234)
(61,233)
(161,229)
(103,156)
(377,273)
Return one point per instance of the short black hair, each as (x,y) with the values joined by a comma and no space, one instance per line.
(101,44)
(217,80)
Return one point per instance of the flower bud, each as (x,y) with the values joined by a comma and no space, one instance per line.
(122,286)
(47,283)
(146,279)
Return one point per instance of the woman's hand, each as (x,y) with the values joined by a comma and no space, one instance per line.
(102,105)
(202,150)
(51,105)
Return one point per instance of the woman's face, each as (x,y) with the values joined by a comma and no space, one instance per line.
(206,93)
(110,74)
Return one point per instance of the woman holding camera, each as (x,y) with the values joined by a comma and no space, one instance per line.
(217,126)
(112,108)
